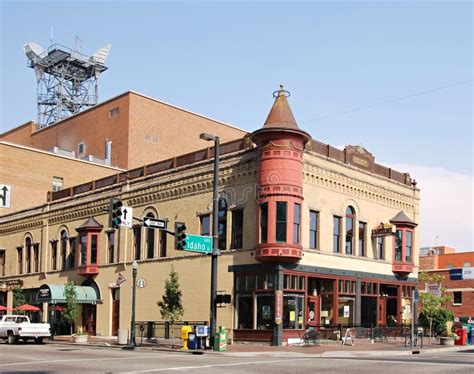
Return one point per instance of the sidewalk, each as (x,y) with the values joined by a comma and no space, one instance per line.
(361,348)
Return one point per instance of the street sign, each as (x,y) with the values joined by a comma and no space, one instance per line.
(415,296)
(5,195)
(127,216)
(198,243)
(154,223)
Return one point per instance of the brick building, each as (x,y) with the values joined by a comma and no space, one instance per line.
(310,235)
(458,271)
(127,131)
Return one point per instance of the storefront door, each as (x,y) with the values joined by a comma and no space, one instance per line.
(88,318)
(381,312)
(115,310)
(314,303)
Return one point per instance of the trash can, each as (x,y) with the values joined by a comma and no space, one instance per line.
(461,336)
(122,335)
(220,340)
(192,342)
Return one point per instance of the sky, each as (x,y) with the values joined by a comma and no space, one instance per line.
(394,77)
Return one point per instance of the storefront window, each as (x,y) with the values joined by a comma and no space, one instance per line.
(293,311)
(244,311)
(346,307)
(327,309)
(265,310)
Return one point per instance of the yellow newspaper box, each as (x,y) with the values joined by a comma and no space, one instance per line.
(185,330)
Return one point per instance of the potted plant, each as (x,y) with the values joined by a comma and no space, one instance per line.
(80,336)
(447,336)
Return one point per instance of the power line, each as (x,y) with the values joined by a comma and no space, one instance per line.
(389,101)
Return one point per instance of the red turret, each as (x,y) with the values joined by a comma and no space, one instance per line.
(280,180)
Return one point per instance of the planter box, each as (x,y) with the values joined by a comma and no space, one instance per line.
(80,338)
(446,340)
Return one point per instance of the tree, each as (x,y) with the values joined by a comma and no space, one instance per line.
(71,310)
(18,299)
(432,307)
(171,307)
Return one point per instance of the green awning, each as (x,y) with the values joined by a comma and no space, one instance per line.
(54,294)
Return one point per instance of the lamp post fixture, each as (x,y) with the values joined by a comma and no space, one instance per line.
(215,231)
(133,343)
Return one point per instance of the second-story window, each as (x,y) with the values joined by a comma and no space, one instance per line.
(281,219)
(94,239)
(350,218)
(72,252)
(296,223)
(205,225)
(19,252)
(379,247)
(2,263)
(54,255)
(408,245)
(83,250)
(63,244)
(111,246)
(36,258)
(362,231)
(264,223)
(237,228)
(222,224)
(313,229)
(137,241)
(163,244)
(28,255)
(398,245)
(150,240)
(336,234)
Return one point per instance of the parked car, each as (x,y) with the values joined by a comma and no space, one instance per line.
(15,327)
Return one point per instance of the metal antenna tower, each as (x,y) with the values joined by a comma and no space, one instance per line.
(67,79)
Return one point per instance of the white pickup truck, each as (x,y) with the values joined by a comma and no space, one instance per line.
(14,328)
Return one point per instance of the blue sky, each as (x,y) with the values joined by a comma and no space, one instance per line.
(224,60)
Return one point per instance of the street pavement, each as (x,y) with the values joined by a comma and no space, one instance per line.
(68,358)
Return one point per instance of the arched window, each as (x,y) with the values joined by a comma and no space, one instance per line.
(350,219)
(28,254)
(222,224)
(63,249)
(150,239)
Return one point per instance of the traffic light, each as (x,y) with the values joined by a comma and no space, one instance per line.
(115,213)
(179,236)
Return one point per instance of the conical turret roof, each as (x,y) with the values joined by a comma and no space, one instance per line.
(281,117)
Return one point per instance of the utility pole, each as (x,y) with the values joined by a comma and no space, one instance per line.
(215,231)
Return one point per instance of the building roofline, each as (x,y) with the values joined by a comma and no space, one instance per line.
(31,149)
(28,123)
(117,97)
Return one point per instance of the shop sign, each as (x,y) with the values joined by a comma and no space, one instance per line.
(383,229)
(433,288)
(468,273)
(44,294)
(278,306)
(455,274)
(11,283)
(266,311)
(347,310)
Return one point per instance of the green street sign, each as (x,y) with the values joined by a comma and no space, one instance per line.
(198,243)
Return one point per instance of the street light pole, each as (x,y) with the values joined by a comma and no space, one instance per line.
(215,231)
(133,343)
